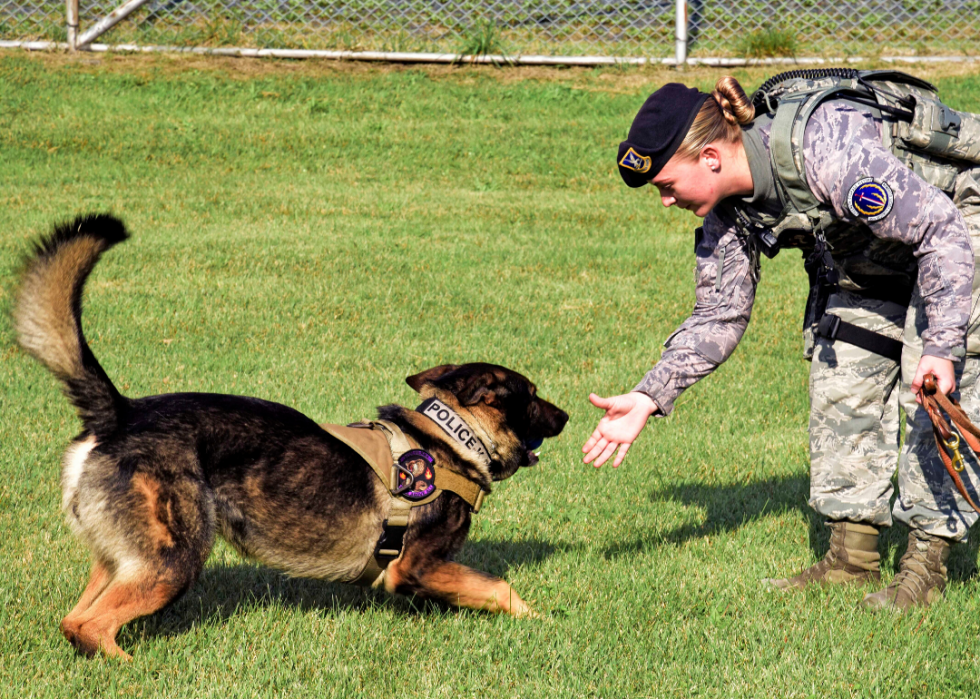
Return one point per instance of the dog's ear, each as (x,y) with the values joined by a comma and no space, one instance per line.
(479,388)
(430,375)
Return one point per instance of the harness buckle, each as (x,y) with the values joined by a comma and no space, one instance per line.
(390,543)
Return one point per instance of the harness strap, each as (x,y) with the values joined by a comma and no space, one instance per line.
(446,479)
(383,459)
(833,328)
(948,442)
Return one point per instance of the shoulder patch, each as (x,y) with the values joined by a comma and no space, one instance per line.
(870,199)
(632,160)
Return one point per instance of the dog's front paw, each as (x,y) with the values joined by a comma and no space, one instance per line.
(523,611)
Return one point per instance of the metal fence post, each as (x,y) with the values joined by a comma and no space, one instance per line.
(680,32)
(71,10)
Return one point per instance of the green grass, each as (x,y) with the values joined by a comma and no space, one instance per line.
(314,234)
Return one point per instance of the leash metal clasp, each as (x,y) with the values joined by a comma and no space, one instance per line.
(953,444)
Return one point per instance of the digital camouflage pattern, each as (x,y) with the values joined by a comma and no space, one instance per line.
(843,146)
(725,279)
(928,500)
(923,231)
(921,249)
(854,416)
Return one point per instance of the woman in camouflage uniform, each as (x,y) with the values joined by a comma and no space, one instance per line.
(902,249)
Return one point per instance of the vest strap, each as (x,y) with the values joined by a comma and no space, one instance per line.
(787,160)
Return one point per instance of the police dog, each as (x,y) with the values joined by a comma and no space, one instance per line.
(150,481)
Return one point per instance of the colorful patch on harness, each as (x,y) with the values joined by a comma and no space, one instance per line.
(416,475)
(870,199)
(635,162)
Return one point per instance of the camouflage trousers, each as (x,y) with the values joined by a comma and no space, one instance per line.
(855,396)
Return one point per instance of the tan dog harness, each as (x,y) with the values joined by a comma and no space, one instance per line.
(412,479)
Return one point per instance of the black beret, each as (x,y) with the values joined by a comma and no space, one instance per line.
(657,131)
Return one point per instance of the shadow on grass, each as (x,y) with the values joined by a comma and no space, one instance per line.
(732,505)
(224,591)
(728,508)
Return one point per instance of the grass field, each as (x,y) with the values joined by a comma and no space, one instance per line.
(314,233)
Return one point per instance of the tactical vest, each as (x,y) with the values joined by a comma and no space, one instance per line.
(934,141)
(382,445)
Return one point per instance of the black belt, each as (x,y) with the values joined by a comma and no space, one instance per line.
(833,328)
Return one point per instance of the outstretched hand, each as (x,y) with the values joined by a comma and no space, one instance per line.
(624,420)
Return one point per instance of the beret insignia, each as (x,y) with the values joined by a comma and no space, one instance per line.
(870,199)
(636,162)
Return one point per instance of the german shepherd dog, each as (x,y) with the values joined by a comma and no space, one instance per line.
(150,481)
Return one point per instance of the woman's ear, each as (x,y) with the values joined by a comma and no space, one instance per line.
(711,156)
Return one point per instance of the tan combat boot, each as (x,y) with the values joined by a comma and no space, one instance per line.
(853,558)
(921,576)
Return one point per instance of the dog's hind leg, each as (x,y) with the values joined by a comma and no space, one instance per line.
(98,581)
(153,539)
(458,585)
(122,601)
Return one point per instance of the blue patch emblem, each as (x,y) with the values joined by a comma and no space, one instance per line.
(635,162)
(870,199)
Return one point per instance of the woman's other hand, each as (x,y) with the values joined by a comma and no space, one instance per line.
(942,368)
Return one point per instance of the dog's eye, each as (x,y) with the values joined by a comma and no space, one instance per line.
(534,410)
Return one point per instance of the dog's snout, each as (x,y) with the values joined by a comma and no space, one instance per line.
(562,419)
(553,418)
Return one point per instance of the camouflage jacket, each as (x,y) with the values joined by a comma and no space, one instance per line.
(921,229)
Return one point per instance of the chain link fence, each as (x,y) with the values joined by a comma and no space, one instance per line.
(746,28)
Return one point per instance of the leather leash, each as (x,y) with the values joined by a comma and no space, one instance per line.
(947,441)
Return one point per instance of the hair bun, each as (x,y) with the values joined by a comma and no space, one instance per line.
(726,107)
(735,105)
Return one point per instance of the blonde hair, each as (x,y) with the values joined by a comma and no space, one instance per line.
(719,119)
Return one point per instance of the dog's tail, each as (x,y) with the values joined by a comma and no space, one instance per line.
(48,315)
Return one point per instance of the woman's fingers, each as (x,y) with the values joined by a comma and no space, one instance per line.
(616,429)
(600,402)
(606,453)
(590,442)
(596,450)
(621,455)
(942,369)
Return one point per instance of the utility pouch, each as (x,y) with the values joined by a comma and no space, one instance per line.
(938,130)
(768,242)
